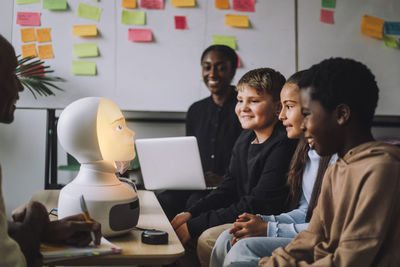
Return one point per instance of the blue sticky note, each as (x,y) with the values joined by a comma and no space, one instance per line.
(391,28)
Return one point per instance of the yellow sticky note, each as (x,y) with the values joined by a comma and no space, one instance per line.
(29,50)
(43,35)
(84,68)
(85,30)
(28,35)
(222,4)
(241,21)
(183,3)
(372,26)
(45,51)
(129,3)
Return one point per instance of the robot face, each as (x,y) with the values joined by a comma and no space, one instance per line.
(115,138)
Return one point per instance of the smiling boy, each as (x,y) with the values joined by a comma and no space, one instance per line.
(355,221)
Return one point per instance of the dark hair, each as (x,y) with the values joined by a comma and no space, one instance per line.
(224,50)
(296,77)
(295,177)
(337,81)
(265,80)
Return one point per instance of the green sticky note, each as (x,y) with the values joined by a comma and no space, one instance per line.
(89,12)
(84,68)
(225,40)
(86,50)
(390,41)
(133,17)
(329,3)
(55,4)
(22,2)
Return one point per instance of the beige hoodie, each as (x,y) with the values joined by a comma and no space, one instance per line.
(357,219)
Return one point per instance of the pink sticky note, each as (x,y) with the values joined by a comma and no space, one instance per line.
(244,5)
(180,23)
(140,35)
(28,19)
(152,4)
(239,62)
(326,16)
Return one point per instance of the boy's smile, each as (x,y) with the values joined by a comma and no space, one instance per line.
(319,125)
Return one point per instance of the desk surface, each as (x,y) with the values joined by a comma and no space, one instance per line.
(133,250)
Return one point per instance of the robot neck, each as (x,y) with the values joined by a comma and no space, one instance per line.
(97,173)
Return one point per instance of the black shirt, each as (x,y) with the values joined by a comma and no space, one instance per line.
(255,182)
(216,129)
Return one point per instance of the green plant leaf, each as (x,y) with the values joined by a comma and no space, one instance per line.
(33,74)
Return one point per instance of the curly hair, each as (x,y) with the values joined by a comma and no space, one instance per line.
(265,80)
(337,81)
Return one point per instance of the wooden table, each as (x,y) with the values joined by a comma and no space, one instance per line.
(133,250)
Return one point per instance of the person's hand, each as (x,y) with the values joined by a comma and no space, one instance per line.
(248,225)
(73,230)
(212,179)
(30,222)
(183,233)
(180,219)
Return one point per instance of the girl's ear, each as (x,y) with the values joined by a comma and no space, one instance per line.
(278,108)
(343,113)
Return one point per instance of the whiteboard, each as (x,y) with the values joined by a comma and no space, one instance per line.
(318,41)
(164,75)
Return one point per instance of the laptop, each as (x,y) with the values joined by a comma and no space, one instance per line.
(170,163)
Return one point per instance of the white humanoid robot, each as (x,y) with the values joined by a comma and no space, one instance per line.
(93,130)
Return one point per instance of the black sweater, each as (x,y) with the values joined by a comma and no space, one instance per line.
(255,182)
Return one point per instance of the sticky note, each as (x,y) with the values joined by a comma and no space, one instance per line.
(328,3)
(133,17)
(86,50)
(180,22)
(225,40)
(183,3)
(140,35)
(89,12)
(28,35)
(222,4)
(128,3)
(152,4)
(391,28)
(390,41)
(45,51)
(43,35)
(87,68)
(29,50)
(239,65)
(372,26)
(28,18)
(22,2)
(84,30)
(326,16)
(55,4)
(244,5)
(241,21)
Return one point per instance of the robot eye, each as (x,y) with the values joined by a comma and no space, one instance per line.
(119,128)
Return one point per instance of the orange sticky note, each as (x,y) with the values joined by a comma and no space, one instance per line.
(222,4)
(241,21)
(372,26)
(28,35)
(45,51)
(43,35)
(129,3)
(85,30)
(183,3)
(29,50)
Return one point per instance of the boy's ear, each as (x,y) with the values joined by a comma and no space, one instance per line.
(343,113)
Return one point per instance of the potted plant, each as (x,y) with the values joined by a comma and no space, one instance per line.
(33,75)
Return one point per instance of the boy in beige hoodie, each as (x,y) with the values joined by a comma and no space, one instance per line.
(356,219)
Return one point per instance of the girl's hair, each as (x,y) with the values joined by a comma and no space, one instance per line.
(225,51)
(295,177)
(263,80)
(296,77)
